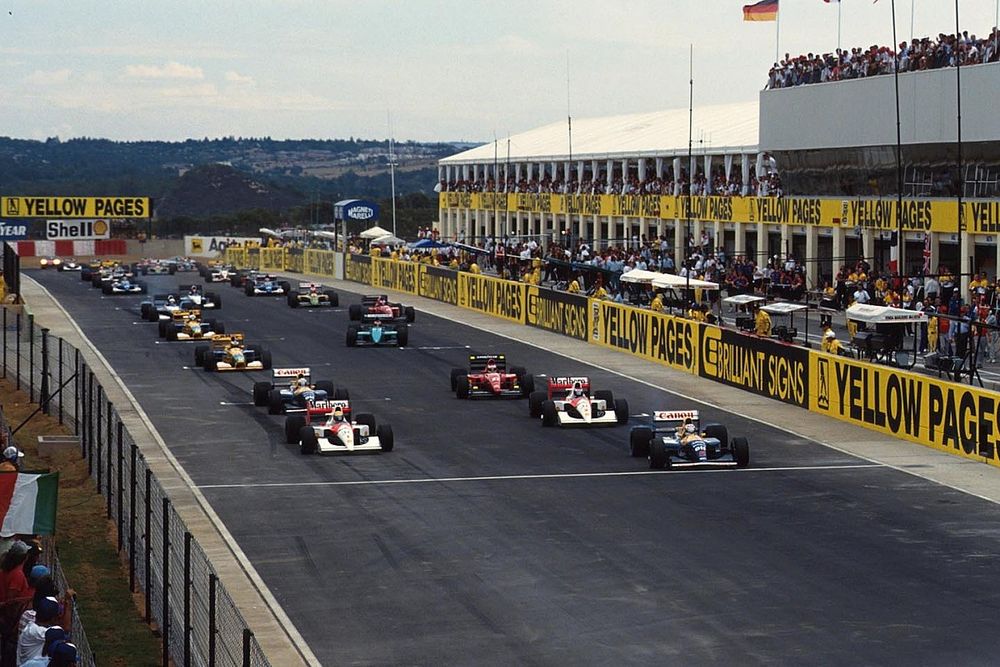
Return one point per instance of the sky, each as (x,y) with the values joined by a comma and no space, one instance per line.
(419,69)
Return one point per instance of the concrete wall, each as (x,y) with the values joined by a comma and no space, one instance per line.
(862,112)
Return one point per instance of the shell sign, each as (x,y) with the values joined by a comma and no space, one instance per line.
(56,230)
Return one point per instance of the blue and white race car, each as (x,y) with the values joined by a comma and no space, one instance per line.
(123,285)
(376,333)
(676,439)
(266,284)
(292,390)
(201,299)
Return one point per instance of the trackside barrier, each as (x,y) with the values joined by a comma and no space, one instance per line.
(199,623)
(295,260)
(272,259)
(237,256)
(947,416)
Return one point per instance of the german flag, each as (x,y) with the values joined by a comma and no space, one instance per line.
(765,10)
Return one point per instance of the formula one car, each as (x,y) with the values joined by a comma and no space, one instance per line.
(310,296)
(338,434)
(291,390)
(379,307)
(50,263)
(150,266)
(488,377)
(676,439)
(377,333)
(98,267)
(229,352)
(242,276)
(183,264)
(189,325)
(69,265)
(266,284)
(197,295)
(576,407)
(220,274)
(123,285)
(105,275)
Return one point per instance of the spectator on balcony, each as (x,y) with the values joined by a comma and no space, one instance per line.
(49,612)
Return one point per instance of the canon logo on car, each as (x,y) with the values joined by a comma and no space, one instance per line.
(361,213)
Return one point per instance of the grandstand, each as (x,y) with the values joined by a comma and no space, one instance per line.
(808,172)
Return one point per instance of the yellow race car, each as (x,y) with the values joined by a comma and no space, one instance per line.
(229,352)
(189,325)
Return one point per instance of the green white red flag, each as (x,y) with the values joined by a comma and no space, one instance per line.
(28,503)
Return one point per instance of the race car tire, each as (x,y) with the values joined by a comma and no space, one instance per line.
(144,310)
(265,359)
(162,328)
(535,400)
(144,271)
(293,300)
(455,374)
(527,385)
(308,442)
(334,298)
(354,312)
(719,432)
(638,442)
(260,392)
(215,299)
(275,404)
(741,452)
(658,458)
(142,288)
(172,269)
(218,327)
(171,332)
(95,280)
(518,371)
(248,289)
(621,411)
(352,336)
(327,386)
(341,394)
(106,288)
(211,364)
(293,426)
(200,352)
(385,439)
(286,286)
(402,336)
(462,387)
(550,416)
(411,314)
(368,420)
(84,275)
(234,282)
(606,396)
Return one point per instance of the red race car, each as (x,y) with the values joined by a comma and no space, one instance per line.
(488,377)
(380,308)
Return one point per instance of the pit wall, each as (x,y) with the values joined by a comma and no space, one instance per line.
(947,416)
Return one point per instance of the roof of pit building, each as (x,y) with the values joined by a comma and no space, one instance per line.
(718,130)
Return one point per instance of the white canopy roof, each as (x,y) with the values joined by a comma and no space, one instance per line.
(375,232)
(871,314)
(388,239)
(743,299)
(640,276)
(783,308)
(671,281)
(718,130)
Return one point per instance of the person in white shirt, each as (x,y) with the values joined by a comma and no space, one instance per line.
(861,296)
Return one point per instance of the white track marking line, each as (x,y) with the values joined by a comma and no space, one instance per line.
(568,475)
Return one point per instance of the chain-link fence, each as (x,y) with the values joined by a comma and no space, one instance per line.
(197,619)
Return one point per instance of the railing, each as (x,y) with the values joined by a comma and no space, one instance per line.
(197,619)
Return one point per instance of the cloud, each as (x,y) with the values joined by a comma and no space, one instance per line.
(170,70)
(239,79)
(42,77)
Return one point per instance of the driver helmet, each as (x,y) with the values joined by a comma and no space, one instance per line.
(338,414)
(829,334)
(491,366)
(377,324)
(578,389)
(690,428)
(313,287)
(171,300)
(380,301)
(302,381)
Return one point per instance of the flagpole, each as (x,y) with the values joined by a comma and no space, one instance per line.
(840,7)
(777,36)
(913,13)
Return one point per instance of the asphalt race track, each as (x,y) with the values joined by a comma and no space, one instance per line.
(486,539)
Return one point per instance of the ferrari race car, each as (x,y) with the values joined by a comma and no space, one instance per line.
(123,285)
(676,439)
(229,352)
(488,377)
(338,433)
(310,296)
(220,274)
(576,407)
(292,390)
(379,307)
(266,284)
(377,333)
(188,325)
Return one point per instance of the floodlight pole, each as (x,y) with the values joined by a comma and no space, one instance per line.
(687,232)
(900,242)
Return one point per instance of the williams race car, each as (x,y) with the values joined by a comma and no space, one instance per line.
(229,352)
(123,285)
(310,296)
(338,434)
(676,439)
(197,295)
(188,325)
(567,402)
(292,390)
(488,377)
(376,333)
(379,308)
(266,284)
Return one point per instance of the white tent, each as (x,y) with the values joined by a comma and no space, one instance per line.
(639,276)
(375,232)
(871,314)
(671,281)
(388,239)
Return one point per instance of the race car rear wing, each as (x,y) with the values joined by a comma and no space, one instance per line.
(369,299)
(563,383)
(222,342)
(675,416)
(327,407)
(289,373)
(477,362)
(186,289)
(180,315)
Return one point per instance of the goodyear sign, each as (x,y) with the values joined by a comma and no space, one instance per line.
(754,364)
(320,262)
(76,207)
(394,275)
(359,269)
(947,416)
(493,296)
(439,284)
(667,340)
(556,311)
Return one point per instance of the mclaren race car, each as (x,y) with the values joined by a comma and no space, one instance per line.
(377,333)
(311,296)
(266,285)
(379,308)
(70,265)
(189,325)
(292,390)
(676,439)
(567,402)
(489,377)
(229,352)
(338,433)
(220,274)
(123,285)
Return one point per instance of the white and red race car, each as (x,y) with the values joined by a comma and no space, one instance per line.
(568,402)
(336,432)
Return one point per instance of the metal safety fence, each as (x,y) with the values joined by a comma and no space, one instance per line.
(197,620)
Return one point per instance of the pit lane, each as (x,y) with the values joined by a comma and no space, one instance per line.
(535,545)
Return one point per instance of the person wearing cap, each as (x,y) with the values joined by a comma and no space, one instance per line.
(11,459)
(13,582)
(830,342)
(53,636)
(63,654)
(49,612)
